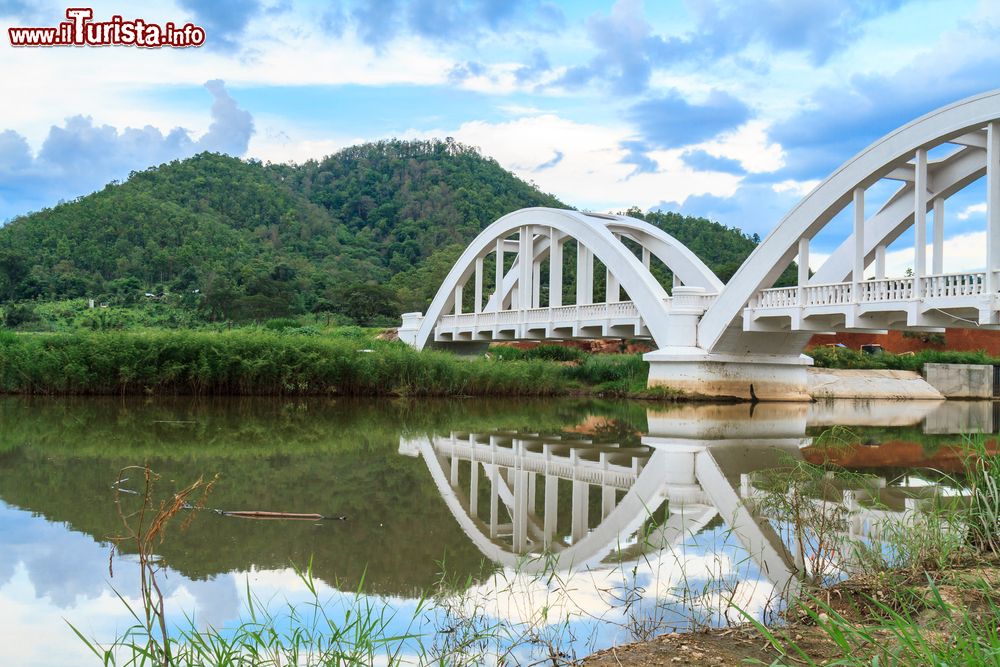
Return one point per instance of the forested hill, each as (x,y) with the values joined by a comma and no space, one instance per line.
(368,231)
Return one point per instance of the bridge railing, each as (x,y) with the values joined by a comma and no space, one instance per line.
(883,290)
(778,297)
(956,284)
(886,289)
(593,311)
(827,295)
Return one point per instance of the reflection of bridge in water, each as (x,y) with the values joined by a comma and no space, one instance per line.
(585,500)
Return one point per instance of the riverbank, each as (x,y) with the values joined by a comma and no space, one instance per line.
(923,591)
(945,618)
(828,356)
(268,363)
(350,361)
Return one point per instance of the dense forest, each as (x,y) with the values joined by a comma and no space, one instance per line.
(365,233)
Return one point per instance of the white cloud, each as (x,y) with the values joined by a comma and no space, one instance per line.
(749,145)
(969,211)
(798,188)
(963,252)
(591,174)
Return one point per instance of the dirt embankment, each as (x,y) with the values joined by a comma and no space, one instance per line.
(859,602)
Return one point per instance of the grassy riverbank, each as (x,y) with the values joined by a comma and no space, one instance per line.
(923,591)
(264,362)
(828,356)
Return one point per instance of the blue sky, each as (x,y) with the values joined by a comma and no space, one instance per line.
(728,109)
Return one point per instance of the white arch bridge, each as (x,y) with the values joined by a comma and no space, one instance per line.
(743,339)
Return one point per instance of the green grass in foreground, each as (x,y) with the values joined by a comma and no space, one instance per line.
(925,590)
(265,362)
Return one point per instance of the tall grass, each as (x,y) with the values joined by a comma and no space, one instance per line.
(256,362)
(912,603)
(265,362)
(982,476)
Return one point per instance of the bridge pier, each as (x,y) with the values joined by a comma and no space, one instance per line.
(729,376)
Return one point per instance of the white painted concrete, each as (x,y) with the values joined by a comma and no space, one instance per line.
(745,339)
(875,384)
(961,380)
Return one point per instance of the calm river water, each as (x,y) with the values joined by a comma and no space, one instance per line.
(642,506)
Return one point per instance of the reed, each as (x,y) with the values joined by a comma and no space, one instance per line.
(256,362)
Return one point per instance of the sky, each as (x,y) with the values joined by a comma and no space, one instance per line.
(728,109)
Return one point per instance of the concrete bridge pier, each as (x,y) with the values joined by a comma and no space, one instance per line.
(684,366)
(731,376)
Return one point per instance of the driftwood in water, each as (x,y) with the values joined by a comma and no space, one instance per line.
(289,516)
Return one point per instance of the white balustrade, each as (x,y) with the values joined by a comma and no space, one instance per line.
(586,313)
(957,284)
(833,294)
(886,289)
(778,297)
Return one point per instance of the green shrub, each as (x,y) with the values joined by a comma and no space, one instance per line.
(828,356)
(546,352)
(16,315)
(282,323)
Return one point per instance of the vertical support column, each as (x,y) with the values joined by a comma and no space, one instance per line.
(858,272)
(612,291)
(477,305)
(498,294)
(520,517)
(532,491)
(458,299)
(992,205)
(555,268)
(920,223)
(645,257)
(536,284)
(524,262)
(937,256)
(880,261)
(607,501)
(581,507)
(584,275)
(474,486)
(494,499)
(803,269)
(551,508)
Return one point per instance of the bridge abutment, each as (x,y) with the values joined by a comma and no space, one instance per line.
(734,377)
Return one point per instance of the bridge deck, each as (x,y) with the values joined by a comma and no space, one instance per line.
(932,301)
(598,320)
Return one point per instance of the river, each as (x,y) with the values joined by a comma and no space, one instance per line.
(640,506)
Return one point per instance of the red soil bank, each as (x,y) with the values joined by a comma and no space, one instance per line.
(960,340)
(894,454)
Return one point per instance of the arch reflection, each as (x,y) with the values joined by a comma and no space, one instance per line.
(586,498)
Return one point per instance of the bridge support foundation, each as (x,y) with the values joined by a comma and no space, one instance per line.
(733,377)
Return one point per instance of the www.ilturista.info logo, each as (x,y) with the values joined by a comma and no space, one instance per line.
(80,30)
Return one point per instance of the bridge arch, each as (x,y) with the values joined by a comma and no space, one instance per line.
(971,125)
(541,233)
(745,340)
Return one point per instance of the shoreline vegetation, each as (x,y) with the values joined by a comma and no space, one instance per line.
(283,358)
(262,362)
(829,356)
